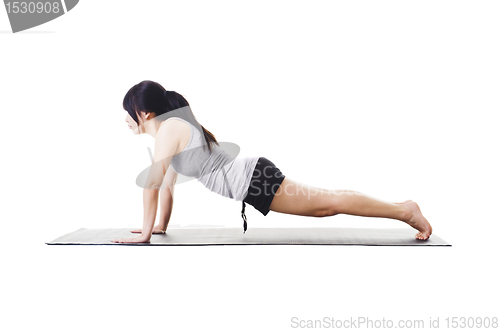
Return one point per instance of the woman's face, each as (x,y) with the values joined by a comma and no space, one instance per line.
(132,124)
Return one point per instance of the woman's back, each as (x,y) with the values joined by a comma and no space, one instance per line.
(215,170)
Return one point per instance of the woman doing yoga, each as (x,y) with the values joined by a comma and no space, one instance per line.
(183,146)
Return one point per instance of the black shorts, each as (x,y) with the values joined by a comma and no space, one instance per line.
(266,180)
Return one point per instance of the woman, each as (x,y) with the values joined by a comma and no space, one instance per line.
(183,146)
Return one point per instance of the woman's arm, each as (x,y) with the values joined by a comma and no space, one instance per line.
(166,202)
(167,198)
(150,200)
(166,142)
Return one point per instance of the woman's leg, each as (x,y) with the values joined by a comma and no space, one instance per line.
(299,199)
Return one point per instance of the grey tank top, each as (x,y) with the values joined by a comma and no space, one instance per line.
(215,170)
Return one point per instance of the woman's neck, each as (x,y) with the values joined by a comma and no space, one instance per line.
(151,127)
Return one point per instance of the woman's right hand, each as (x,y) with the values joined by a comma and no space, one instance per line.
(156,230)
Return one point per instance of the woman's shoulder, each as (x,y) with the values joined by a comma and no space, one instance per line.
(174,124)
(175,120)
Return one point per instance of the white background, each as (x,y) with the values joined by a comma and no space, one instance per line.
(396,99)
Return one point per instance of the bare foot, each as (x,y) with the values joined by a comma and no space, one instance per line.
(418,221)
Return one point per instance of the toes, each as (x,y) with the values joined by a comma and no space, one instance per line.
(422,236)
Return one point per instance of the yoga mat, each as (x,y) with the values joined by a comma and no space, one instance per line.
(235,236)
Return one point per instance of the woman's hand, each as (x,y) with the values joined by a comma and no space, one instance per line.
(156,230)
(136,239)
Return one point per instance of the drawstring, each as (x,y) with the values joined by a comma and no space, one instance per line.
(242,210)
(244,218)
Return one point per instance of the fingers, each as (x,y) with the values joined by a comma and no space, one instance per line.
(129,240)
(155,231)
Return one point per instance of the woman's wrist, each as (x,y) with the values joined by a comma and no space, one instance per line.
(145,237)
(161,228)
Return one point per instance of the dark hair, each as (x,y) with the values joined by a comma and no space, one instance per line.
(149,96)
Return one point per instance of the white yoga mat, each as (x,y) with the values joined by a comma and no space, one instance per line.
(255,236)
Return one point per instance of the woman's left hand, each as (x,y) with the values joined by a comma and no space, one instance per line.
(135,239)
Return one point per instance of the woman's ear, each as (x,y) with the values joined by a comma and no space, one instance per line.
(147,115)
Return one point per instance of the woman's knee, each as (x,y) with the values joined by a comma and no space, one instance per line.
(325,212)
(326,207)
